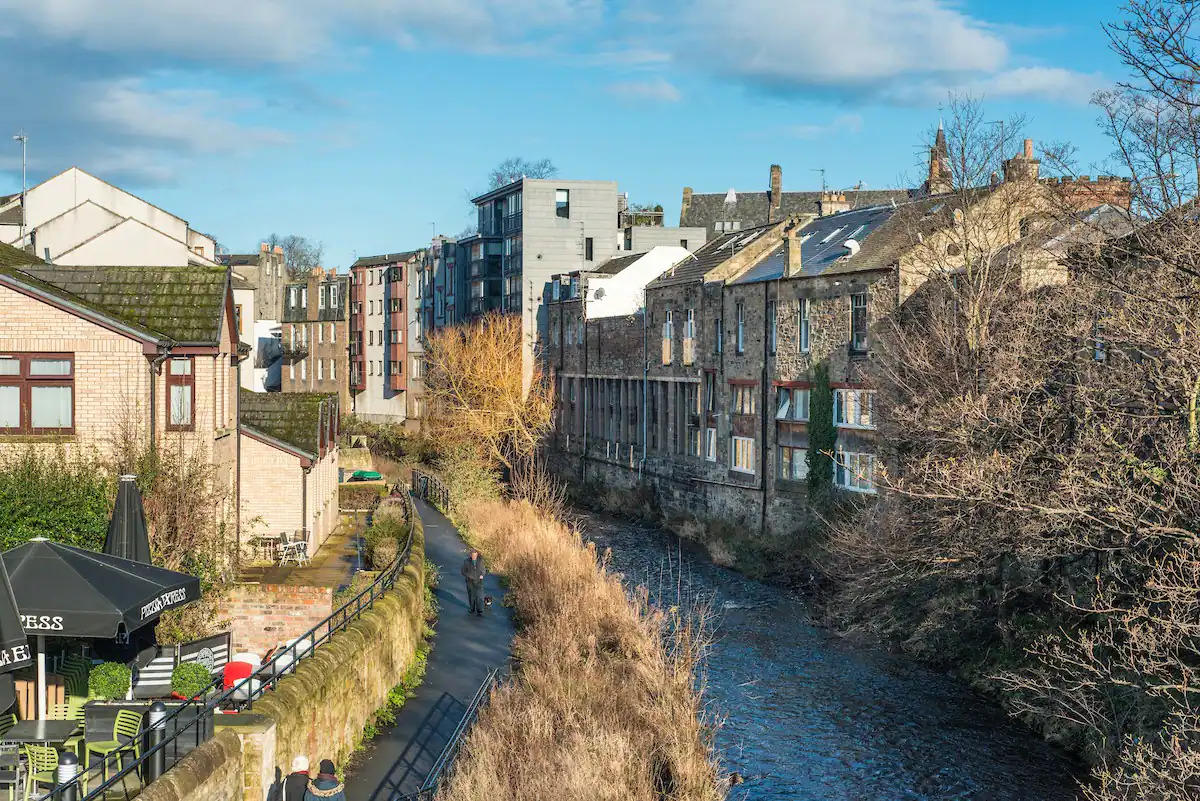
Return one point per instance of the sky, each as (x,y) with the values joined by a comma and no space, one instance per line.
(367,124)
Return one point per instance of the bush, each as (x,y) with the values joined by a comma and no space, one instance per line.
(388,530)
(354,497)
(110,680)
(190,679)
(384,553)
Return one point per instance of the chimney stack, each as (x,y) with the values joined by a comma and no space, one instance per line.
(1023,166)
(791,247)
(832,203)
(687,202)
(1029,148)
(776,193)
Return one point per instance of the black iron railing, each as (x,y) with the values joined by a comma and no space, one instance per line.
(430,488)
(445,759)
(178,732)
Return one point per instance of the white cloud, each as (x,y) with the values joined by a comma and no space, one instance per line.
(842,123)
(656,90)
(1048,83)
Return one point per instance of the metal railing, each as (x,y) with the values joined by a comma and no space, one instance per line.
(429,487)
(240,697)
(453,745)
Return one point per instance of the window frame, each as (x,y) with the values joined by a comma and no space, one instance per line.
(858,314)
(747,446)
(25,382)
(173,380)
(803,326)
(791,453)
(562,208)
(740,336)
(842,464)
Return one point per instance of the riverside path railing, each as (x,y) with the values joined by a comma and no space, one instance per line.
(156,747)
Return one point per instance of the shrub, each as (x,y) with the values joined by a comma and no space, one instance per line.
(354,497)
(384,553)
(109,680)
(190,679)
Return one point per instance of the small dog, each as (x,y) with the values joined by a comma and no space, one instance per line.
(487,600)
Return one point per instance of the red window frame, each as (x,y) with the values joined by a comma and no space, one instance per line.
(25,382)
(188,380)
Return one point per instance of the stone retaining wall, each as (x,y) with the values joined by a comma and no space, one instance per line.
(262,616)
(212,772)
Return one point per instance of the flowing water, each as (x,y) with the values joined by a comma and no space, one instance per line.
(811,716)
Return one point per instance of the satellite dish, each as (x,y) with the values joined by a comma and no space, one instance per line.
(599,293)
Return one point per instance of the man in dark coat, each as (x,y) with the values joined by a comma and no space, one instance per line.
(326,786)
(473,571)
(296,783)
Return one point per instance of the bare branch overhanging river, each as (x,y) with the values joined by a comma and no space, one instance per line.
(811,716)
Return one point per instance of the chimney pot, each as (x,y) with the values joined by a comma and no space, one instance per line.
(1028,148)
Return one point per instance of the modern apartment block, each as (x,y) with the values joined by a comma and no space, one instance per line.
(380,333)
(316,335)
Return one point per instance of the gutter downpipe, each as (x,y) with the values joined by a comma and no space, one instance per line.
(645,383)
(155,366)
(586,382)
(766,373)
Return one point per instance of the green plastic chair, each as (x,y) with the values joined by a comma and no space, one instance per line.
(41,767)
(6,723)
(128,724)
(68,712)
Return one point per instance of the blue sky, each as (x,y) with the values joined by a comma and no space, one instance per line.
(366,123)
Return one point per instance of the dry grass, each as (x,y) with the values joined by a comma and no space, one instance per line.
(603,704)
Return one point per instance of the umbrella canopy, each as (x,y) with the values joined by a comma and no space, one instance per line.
(127,530)
(65,591)
(14,645)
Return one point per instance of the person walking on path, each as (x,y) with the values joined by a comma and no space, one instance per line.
(326,786)
(295,784)
(473,570)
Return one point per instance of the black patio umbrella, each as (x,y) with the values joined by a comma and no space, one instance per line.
(14,644)
(66,591)
(127,536)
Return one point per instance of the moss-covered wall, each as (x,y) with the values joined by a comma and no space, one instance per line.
(320,711)
(212,772)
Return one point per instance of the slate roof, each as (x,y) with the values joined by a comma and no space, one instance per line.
(750,208)
(182,304)
(712,254)
(385,258)
(241,259)
(11,256)
(614,266)
(294,418)
(241,283)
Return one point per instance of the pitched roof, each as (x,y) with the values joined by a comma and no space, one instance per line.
(384,258)
(241,259)
(614,266)
(293,418)
(241,283)
(11,256)
(750,208)
(183,304)
(714,252)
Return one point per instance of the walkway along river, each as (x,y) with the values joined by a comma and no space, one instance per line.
(810,716)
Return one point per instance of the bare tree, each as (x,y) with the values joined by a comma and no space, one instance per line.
(473,382)
(300,254)
(514,168)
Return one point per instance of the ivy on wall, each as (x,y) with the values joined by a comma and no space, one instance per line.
(822,435)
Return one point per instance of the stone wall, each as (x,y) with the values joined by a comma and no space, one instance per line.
(212,772)
(262,616)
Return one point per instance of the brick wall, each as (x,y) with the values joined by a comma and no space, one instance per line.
(262,616)
(270,490)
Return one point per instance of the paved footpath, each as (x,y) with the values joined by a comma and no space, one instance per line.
(465,649)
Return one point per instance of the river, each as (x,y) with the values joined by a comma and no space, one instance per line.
(811,716)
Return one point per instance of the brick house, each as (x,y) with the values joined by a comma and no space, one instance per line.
(381,309)
(85,351)
(316,335)
(289,463)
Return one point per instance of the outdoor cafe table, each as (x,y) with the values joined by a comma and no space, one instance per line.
(41,731)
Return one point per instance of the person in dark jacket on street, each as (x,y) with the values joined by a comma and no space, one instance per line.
(326,786)
(473,571)
(295,784)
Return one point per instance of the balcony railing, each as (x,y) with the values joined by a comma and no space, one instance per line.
(295,352)
(512,222)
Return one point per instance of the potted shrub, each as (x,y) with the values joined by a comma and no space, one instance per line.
(110,680)
(189,679)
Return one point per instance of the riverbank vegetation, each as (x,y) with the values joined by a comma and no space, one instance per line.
(603,701)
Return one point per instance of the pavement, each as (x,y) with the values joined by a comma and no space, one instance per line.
(333,565)
(465,650)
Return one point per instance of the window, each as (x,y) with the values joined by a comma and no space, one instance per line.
(304,370)
(802,328)
(793,463)
(394,304)
(710,444)
(741,454)
(588,249)
(37,394)
(689,326)
(304,296)
(718,337)
(181,394)
(710,392)
(292,371)
(370,337)
(322,296)
(858,322)
(852,408)
(394,366)
(395,336)
(683,244)
(740,341)
(237,317)
(792,404)
(571,333)
(320,369)
(293,295)
(333,295)
(743,398)
(320,334)
(555,288)
(562,203)
(771,325)
(832,234)
(333,369)
(379,336)
(667,333)
(854,471)
(332,333)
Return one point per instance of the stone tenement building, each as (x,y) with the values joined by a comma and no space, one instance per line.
(701,392)
(380,334)
(316,335)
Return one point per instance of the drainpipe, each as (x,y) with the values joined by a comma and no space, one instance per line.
(762,526)
(586,394)
(156,365)
(304,501)
(645,382)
